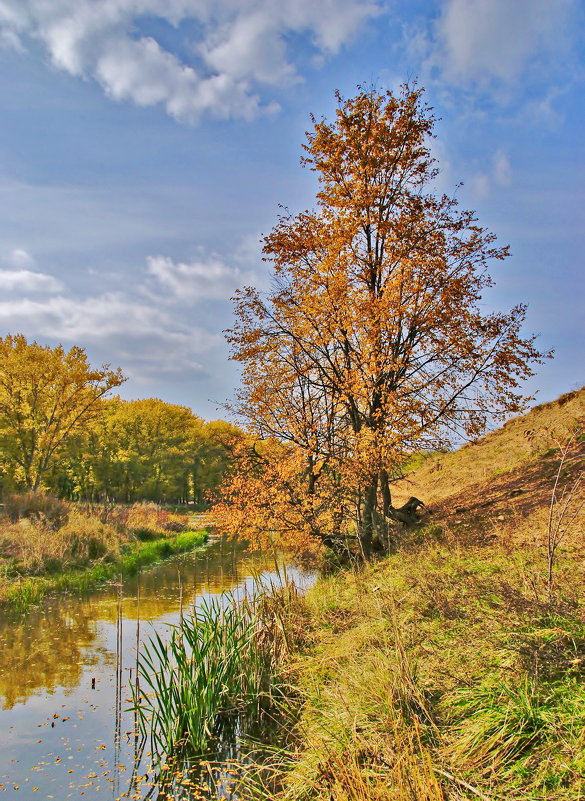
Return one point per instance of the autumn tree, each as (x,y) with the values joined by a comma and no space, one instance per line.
(47,396)
(144,449)
(211,458)
(372,343)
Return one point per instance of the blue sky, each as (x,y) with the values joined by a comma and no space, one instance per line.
(145,147)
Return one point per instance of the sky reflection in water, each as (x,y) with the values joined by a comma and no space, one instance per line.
(58,687)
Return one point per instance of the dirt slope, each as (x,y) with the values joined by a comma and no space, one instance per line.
(505,480)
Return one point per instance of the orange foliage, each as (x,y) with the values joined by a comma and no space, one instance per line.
(371,344)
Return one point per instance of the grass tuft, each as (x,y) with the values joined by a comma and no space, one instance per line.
(218,666)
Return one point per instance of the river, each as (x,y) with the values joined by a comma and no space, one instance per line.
(65,671)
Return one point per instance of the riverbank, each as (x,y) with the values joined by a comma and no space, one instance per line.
(51,657)
(443,672)
(455,668)
(19,593)
(49,546)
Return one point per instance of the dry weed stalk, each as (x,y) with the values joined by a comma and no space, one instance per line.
(565,505)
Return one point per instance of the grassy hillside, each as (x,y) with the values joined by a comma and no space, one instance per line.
(455,668)
(498,483)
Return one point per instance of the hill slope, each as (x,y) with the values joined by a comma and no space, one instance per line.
(455,669)
(505,479)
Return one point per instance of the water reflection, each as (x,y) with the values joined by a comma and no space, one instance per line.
(65,671)
(44,650)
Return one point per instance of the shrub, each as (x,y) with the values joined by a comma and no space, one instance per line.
(86,539)
(37,506)
(146,518)
(176,526)
(35,548)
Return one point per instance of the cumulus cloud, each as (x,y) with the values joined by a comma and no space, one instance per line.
(135,333)
(208,278)
(27,281)
(9,40)
(148,330)
(20,258)
(501,168)
(500,175)
(241,46)
(484,41)
(20,278)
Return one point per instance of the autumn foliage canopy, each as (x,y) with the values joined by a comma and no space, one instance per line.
(47,395)
(371,344)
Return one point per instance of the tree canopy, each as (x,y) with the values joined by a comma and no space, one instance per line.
(47,395)
(145,450)
(372,343)
(60,432)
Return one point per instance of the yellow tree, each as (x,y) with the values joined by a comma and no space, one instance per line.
(47,396)
(150,443)
(372,343)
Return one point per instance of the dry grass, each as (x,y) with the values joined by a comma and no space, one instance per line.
(439,670)
(519,456)
(41,537)
(32,547)
(450,670)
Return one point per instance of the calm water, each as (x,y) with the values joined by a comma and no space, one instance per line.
(65,673)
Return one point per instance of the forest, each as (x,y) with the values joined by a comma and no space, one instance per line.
(60,432)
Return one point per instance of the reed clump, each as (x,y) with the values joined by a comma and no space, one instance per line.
(36,506)
(34,546)
(219,667)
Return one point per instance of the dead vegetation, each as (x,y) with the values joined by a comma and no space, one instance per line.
(42,536)
(455,668)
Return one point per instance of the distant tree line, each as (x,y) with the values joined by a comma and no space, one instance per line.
(143,450)
(59,433)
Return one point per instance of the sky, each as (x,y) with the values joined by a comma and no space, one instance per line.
(147,145)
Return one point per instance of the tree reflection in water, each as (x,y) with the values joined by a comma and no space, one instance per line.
(63,695)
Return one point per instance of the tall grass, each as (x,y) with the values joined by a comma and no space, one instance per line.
(216,667)
(440,673)
(18,595)
(529,733)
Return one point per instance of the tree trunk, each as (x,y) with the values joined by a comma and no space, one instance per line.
(367,527)
(386,494)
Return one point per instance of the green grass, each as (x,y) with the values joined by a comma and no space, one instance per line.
(438,667)
(526,735)
(22,594)
(215,665)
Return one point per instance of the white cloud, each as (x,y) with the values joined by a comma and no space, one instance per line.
(480,185)
(485,41)
(139,336)
(20,258)
(208,278)
(9,40)
(241,46)
(500,175)
(501,168)
(20,278)
(249,47)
